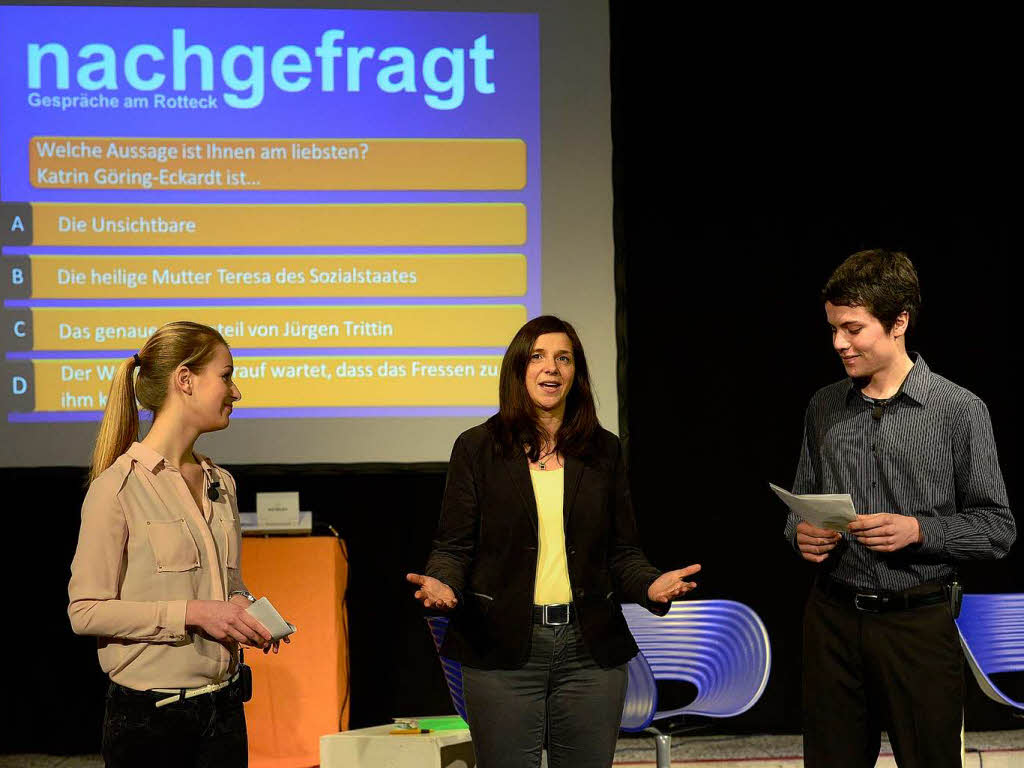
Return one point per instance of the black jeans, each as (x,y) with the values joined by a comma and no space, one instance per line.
(901,671)
(207,730)
(560,690)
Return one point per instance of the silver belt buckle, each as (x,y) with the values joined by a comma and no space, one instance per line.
(551,622)
(859,607)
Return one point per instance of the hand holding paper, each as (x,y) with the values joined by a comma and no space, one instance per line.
(264,612)
(823,515)
(832,511)
(886,532)
(815,543)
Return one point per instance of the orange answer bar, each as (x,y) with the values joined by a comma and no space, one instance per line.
(285,382)
(116,162)
(207,276)
(102,328)
(386,224)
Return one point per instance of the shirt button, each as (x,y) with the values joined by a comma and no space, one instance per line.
(579,592)
(874,484)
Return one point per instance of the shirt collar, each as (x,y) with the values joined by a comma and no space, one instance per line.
(150,459)
(918,383)
(916,386)
(146,456)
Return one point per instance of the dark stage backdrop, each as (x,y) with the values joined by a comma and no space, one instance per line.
(748,164)
(723,342)
(717,385)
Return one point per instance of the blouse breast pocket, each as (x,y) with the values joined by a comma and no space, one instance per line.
(174,548)
(232,534)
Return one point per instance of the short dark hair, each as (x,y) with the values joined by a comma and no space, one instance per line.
(883,282)
(516,425)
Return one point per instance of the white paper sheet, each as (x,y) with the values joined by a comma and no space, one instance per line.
(833,511)
(264,611)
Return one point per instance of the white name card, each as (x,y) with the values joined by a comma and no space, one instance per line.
(277,510)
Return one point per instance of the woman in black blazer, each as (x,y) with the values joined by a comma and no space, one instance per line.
(536,548)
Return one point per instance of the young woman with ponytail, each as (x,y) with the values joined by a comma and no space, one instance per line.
(157,574)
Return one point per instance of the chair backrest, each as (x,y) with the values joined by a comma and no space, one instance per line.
(720,646)
(992,635)
(641,695)
(452,669)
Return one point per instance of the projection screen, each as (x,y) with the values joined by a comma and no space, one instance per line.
(366,203)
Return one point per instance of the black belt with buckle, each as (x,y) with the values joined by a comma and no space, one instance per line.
(872,601)
(554,615)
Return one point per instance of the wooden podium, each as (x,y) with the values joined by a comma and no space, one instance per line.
(302,692)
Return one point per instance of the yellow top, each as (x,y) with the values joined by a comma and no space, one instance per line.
(552,584)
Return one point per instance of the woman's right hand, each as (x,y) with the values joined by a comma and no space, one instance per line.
(433,593)
(226,622)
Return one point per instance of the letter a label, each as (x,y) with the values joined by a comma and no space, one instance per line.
(15,224)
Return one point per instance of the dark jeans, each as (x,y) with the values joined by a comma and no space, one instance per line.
(901,671)
(207,730)
(561,691)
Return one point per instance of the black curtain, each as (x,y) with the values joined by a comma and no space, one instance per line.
(750,160)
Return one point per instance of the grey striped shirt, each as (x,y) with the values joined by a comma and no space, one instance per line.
(931,455)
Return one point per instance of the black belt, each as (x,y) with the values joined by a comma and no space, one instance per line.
(554,615)
(877,601)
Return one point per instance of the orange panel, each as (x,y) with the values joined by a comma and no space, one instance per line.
(299,224)
(112,162)
(299,694)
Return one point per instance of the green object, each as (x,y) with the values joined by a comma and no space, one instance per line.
(448,723)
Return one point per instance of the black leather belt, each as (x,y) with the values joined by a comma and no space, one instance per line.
(876,601)
(554,615)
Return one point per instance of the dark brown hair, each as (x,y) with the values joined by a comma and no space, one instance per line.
(174,344)
(516,426)
(883,282)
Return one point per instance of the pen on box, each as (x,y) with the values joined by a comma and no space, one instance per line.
(404,731)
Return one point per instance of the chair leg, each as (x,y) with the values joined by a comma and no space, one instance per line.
(663,750)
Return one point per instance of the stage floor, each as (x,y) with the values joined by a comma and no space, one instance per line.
(998,749)
(985,749)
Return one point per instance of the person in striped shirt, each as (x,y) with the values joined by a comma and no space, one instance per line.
(916,453)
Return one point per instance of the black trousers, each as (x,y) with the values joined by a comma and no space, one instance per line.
(560,691)
(205,731)
(900,671)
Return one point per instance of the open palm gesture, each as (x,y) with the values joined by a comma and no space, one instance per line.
(672,584)
(433,592)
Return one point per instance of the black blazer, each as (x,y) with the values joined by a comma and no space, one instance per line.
(486,550)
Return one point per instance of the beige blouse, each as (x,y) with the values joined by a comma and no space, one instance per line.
(144,550)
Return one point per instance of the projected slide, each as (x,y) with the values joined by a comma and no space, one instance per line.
(351,197)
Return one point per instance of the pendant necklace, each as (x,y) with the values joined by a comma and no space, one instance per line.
(541,462)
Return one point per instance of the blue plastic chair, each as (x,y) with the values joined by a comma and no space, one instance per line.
(720,646)
(992,635)
(452,669)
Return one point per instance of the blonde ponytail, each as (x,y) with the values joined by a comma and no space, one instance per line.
(174,344)
(120,425)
